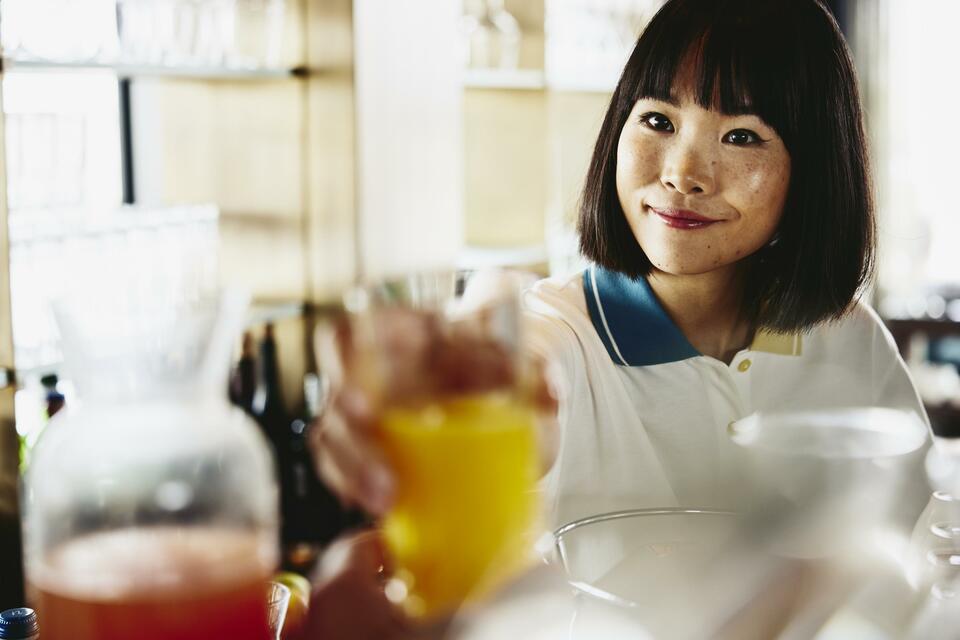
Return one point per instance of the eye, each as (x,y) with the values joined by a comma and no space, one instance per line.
(657,122)
(743,137)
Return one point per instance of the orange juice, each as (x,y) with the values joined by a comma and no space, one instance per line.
(466,506)
(156,583)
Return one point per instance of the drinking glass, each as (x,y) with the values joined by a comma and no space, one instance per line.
(458,428)
(143,29)
(258,27)
(825,466)
(650,563)
(936,533)
(278,597)
(492,36)
(215,20)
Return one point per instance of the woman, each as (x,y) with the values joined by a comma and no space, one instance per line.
(728,216)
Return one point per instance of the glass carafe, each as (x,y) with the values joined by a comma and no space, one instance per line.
(150,505)
(492,35)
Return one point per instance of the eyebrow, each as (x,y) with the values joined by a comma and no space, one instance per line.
(672,100)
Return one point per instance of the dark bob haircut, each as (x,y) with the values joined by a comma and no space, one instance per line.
(787,62)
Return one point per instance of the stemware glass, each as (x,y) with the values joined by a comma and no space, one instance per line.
(278,597)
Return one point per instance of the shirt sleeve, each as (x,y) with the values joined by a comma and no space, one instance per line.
(549,336)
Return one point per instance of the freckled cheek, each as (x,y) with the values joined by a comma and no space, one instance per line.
(761,190)
(637,164)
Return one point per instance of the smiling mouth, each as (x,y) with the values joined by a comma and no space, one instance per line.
(683,219)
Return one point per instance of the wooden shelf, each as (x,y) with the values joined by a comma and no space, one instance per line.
(153,71)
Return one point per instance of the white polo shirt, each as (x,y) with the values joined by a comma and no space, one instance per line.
(644,417)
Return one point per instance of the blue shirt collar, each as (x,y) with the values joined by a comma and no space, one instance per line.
(627,316)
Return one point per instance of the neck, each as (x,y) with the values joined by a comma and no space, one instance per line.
(706,308)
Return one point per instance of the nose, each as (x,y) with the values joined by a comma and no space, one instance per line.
(688,169)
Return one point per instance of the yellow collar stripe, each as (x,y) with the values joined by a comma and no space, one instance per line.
(784,344)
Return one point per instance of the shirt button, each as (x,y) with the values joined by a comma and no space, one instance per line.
(744,366)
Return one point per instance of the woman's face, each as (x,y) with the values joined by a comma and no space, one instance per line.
(700,189)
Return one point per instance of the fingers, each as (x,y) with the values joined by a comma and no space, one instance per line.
(331,348)
(362,553)
(544,392)
(349,462)
(545,388)
(548,440)
(342,441)
(348,600)
(471,366)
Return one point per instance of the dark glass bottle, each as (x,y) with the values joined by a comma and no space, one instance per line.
(243,382)
(19,624)
(311,515)
(269,404)
(54,399)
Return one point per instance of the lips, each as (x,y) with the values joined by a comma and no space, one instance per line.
(683,219)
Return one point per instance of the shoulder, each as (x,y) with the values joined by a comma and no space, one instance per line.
(860,328)
(555,314)
(859,343)
(560,296)
(560,292)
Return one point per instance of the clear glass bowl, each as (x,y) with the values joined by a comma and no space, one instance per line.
(623,556)
(645,563)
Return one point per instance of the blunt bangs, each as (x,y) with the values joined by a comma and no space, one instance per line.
(730,64)
(786,62)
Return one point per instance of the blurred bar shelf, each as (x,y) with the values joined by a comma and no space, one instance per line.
(522,79)
(264,311)
(944,419)
(583,83)
(903,328)
(944,416)
(537,80)
(259,313)
(158,71)
(475,258)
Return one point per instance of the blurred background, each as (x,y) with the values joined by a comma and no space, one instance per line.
(293,147)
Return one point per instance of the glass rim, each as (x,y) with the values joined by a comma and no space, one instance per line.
(634,513)
(278,593)
(612,516)
(359,296)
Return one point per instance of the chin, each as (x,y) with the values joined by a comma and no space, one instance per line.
(683,270)
(693,267)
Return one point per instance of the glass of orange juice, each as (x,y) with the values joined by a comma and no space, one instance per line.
(457,425)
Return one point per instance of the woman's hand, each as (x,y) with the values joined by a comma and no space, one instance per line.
(347,457)
(344,439)
(415,357)
(348,601)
